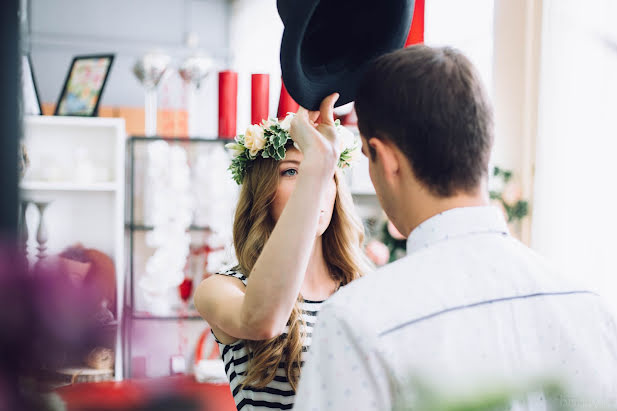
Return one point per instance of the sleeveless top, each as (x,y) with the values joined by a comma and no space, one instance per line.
(278,394)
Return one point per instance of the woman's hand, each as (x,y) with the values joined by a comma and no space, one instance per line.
(315,134)
(262,310)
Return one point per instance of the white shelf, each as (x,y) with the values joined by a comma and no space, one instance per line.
(68,186)
(91,214)
(363,193)
(74,121)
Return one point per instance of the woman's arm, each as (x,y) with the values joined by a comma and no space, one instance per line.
(262,309)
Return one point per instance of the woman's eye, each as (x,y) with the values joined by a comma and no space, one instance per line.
(290,172)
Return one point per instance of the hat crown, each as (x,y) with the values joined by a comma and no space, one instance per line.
(327,44)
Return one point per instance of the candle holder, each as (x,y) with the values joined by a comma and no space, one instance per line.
(149,70)
(23,229)
(193,70)
(41,233)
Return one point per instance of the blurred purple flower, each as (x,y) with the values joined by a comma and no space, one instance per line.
(44,317)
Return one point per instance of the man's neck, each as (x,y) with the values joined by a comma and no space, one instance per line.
(429,206)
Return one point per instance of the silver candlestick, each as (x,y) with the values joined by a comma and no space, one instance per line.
(41,233)
(23,229)
(149,70)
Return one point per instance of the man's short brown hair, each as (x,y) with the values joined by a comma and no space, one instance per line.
(431,104)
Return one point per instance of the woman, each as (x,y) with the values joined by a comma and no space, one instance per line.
(297,241)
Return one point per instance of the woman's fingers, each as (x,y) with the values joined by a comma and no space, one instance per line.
(302,113)
(313,116)
(326,109)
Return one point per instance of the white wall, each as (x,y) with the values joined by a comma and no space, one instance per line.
(574,220)
(60,29)
(255,42)
(517,39)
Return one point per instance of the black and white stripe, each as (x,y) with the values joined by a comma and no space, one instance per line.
(278,395)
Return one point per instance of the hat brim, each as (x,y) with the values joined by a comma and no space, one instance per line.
(319,57)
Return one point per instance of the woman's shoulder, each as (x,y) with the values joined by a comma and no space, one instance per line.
(235,273)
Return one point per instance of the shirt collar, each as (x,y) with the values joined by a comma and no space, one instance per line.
(456,222)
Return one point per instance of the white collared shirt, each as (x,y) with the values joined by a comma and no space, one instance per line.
(467,309)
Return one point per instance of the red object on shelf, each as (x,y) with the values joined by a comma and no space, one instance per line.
(351,119)
(129,394)
(260,97)
(228,103)
(185,289)
(286,103)
(206,341)
(416,31)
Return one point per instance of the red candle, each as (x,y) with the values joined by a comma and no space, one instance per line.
(228,103)
(286,103)
(260,97)
(416,31)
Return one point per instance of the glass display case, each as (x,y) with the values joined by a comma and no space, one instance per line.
(179,213)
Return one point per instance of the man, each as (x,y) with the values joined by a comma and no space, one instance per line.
(469,309)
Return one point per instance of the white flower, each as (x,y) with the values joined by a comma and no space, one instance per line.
(269,123)
(286,123)
(355,155)
(254,139)
(346,138)
(236,149)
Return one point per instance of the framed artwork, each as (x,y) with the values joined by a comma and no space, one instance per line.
(30,94)
(84,85)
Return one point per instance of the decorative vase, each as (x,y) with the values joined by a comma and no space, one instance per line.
(149,70)
(193,70)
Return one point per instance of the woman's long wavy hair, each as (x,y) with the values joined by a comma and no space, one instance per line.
(342,249)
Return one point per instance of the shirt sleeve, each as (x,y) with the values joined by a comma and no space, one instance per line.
(344,370)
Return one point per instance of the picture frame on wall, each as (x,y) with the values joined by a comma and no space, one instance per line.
(83,86)
(30,93)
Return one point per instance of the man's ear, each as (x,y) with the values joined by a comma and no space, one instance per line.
(384,153)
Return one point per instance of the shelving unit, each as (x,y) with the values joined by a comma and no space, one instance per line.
(47,186)
(182,324)
(52,144)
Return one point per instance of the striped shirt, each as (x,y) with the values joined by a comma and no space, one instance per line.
(278,394)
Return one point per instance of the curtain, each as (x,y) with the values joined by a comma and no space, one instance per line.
(575,193)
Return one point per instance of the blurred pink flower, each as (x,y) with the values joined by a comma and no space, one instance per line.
(394,232)
(377,252)
(511,194)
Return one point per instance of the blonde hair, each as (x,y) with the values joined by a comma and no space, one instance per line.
(342,250)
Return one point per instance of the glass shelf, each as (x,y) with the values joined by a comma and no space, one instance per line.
(191,315)
(138,227)
(179,321)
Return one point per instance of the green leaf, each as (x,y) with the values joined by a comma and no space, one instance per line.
(280,153)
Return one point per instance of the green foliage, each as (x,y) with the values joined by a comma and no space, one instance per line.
(515,212)
(396,247)
(418,396)
(276,139)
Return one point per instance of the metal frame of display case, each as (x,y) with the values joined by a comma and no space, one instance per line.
(130,228)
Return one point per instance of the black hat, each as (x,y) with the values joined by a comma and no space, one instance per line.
(327,44)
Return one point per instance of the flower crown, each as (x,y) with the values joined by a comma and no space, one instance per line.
(269,139)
